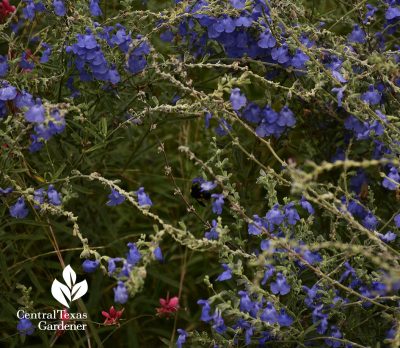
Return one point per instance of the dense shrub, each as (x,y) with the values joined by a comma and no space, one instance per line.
(223,173)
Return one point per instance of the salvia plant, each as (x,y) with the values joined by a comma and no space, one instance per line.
(218,173)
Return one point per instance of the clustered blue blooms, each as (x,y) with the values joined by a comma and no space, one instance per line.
(237,34)
(120,269)
(46,123)
(89,58)
(20,210)
(268,121)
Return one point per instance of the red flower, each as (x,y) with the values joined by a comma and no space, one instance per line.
(5,10)
(64,318)
(112,317)
(168,306)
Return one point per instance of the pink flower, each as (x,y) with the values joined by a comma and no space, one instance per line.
(112,316)
(168,306)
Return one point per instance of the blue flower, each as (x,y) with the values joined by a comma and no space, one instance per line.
(238,100)
(122,39)
(274,217)
(217,203)
(252,113)
(392,181)
(6,191)
(306,205)
(349,271)
(388,236)
(335,66)
(269,272)
(167,36)
(267,40)
(133,256)
(120,293)
(321,318)
(245,304)
(36,144)
(284,319)
(212,234)
(339,93)
(286,117)
(19,209)
(94,8)
(90,266)
(38,197)
(36,113)
(158,254)
(54,196)
(335,333)
(31,8)
(370,13)
(238,4)
(223,128)
(247,336)
(255,228)
(136,64)
(7,92)
(391,334)
(115,198)
(24,63)
(143,197)
(397,220)
(299,59)
(281,54)
(112,264)
(24,99)
(312,257)
(205,311)
(392,12)
(370,221)
(357,35)
(269,314)
(59,7)
(25,327)
(3,66)
(312,295)
(207,118)
(372,96)
(280,286)
(181,338)
(226,275)
(46,53)
(219,324)
(291,214)
(208,186)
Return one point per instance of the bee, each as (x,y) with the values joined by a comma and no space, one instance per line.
(198,193)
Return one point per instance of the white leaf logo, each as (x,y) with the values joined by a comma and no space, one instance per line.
(70,292)
(69,276)
(79,290)
(59,292)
